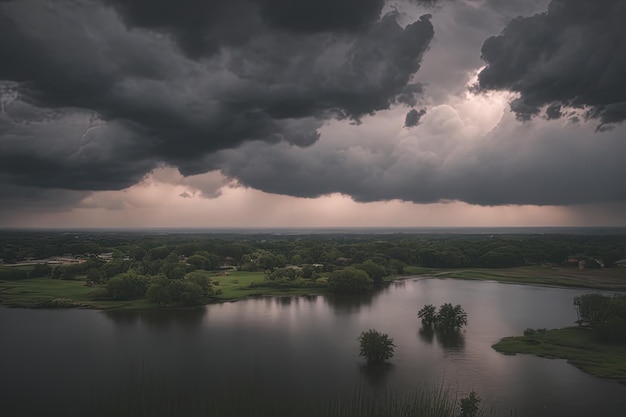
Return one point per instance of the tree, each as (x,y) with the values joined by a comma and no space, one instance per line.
(198,262)
(159,292)
(201,279)
(126,286)
(373,270)
(605,315)
(428,314)
(376,347)
(191,294)
(349,280)
(450,317)
(469,405)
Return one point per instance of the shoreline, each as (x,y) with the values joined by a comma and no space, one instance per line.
(576,345)
(35,292)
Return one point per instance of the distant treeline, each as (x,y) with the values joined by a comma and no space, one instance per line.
(267,252)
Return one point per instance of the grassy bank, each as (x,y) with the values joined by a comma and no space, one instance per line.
(611,279)
(577,345)
(39,292)
(238,285)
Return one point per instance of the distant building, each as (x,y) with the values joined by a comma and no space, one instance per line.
(105,256)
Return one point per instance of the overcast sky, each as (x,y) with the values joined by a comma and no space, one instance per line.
(259,113)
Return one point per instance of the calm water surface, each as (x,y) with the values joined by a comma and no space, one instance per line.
(65,362)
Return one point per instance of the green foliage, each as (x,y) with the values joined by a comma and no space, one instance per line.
(373,270)
(127,286)
(198,262)
(349,280)
(160,252)
(428,314)
(202,280)
(397,266)
(191,294)
(376,347)
(40,270)
(99,294)
(307,271)
(532,332)
(448,318)
(605,315)
(469,405)
(115,267)
(159,292)
(282,273)
(577,345)
(451,317)
(56,303)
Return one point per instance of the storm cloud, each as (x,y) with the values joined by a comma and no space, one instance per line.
(548,163)
(170,75)
(309,98)
(572,56)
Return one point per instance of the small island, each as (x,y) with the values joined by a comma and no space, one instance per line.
(597,346)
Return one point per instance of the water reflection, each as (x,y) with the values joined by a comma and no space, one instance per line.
(452,340)
(188,318)
(376,374)
(286,301)
(349,303)
(427,334)
(292,349)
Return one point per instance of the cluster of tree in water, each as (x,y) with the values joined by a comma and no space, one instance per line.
(164,264)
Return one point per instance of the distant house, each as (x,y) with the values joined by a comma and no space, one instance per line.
(342,261)
(105,256)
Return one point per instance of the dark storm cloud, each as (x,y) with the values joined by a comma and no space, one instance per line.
(176,80)
(71,150)
(201,27)
(413,117)
(573,55)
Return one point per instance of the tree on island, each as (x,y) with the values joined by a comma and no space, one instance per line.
(448,318)
(376,347)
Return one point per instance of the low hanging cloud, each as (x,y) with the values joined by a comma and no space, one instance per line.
(444,159)
(173,81)
(572,56)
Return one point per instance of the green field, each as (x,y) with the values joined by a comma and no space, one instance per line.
(234,286)
(612,279)
(577,345)
(237,285)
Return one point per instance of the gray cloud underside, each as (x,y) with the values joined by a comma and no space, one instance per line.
(139,74)
(548,164)
(573,55)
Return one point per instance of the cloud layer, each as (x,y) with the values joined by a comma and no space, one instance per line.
(571,56)
(364,98)
(185,79)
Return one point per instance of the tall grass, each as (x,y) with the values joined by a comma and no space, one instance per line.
(154,397)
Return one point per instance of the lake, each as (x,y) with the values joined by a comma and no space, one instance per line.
(77,362)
